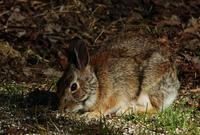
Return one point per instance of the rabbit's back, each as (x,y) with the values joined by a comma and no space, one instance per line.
(148,77)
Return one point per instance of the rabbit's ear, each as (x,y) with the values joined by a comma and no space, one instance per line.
(79,53)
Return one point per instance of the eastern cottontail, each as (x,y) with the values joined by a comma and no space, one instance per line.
(131,74)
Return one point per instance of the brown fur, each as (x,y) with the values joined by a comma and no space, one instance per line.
(130,74)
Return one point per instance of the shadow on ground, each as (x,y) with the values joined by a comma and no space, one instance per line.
(36,113)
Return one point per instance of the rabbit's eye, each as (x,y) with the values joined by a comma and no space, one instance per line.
(74,87)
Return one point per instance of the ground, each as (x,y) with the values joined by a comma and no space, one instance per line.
(34,38)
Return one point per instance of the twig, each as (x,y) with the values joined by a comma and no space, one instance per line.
(5,12)
(195,90)
(98,36)
(54,125)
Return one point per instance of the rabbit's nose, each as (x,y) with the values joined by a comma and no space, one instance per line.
(66,110)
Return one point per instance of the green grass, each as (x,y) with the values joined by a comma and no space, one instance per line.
(175,120)
(12,88)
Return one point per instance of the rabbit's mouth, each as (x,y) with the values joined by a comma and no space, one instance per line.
(74,109)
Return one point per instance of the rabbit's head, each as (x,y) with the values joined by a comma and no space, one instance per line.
(78,82)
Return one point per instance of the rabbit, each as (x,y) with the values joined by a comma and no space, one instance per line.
(131,75)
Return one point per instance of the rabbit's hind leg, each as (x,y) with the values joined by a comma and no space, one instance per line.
(140,106)
(158,100)
(144,105)
(166,93)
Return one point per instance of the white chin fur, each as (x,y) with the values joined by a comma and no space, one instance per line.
(90,102)
(75,109)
